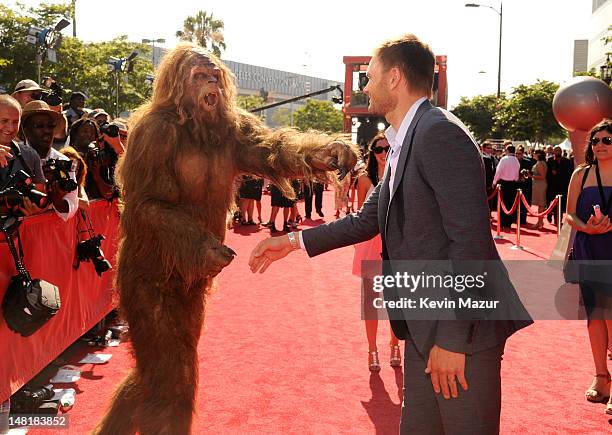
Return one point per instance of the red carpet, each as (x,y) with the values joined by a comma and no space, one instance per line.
(285,352)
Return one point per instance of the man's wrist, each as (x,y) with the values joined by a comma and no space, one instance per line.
(293,241)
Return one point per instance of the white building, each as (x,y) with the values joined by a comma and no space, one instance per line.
(601,19)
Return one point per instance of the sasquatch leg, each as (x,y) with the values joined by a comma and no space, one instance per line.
(165,347)
(119,419)
(165,319)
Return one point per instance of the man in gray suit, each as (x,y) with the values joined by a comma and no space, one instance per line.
(431,205)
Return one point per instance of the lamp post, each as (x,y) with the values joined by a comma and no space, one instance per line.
(152,42)
(500,13)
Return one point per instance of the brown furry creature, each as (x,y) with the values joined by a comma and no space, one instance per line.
(185,149)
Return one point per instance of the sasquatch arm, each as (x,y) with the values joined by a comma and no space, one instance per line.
(184,247)
(283,153)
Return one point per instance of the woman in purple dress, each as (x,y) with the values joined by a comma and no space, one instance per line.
(589,204)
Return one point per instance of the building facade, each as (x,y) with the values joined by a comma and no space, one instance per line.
(601,19)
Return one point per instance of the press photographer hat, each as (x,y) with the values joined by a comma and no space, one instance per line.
(37,106)
(27,85)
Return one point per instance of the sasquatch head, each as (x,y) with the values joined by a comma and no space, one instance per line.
(196,83)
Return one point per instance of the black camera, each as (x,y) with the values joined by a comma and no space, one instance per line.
(27,401)
(18,186)
(53,95)
(111,130)
(89,250)
(59,171)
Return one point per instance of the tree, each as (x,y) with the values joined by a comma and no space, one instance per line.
(479,114)
(281,117)
(17,57)
(248,102)
(528,115)
(318,115)
(80,66)
(204,30)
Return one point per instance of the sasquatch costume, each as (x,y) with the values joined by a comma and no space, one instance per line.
(176,178)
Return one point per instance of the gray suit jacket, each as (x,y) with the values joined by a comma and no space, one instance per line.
(436,210)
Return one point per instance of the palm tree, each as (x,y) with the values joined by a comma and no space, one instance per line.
(205,30)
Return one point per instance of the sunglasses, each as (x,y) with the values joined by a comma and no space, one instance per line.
(378,150)
(605,140)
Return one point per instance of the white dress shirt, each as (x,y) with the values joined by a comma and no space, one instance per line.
(395,139)
(508,169)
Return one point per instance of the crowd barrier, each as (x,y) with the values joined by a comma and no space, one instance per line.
(49,246)
(516,207)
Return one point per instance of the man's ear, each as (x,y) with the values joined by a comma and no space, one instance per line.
(394,77)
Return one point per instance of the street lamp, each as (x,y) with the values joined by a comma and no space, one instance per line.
(500,13)
(152,42)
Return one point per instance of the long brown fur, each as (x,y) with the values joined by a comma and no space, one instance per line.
(176,179)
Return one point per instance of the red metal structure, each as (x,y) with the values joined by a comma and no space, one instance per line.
(355,107)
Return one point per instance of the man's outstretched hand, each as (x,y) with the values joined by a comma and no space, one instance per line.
(336,155)
(268,251)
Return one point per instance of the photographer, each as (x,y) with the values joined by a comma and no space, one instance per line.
(39,123)
(81,174)
(75,110)
(26,91)
(14,158)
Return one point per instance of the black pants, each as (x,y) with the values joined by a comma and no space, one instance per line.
(318,195)
(475,411)
(508,194)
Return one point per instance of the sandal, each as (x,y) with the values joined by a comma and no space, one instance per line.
(396,359)
(373,363)
(592,394)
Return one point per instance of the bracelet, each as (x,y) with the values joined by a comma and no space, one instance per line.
(295,245)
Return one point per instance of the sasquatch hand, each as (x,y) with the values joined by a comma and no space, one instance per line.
(217,258)
(336,155)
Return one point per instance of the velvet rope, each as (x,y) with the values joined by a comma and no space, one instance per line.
(550,208)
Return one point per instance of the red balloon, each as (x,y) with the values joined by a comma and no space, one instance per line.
(582,102)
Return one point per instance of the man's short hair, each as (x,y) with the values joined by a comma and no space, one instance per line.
(8,101)
(510,149)
(414,58)
(520,148)
(486,144)
(507,142)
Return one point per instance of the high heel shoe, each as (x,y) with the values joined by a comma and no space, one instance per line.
(373,363)
(396,358)
(593,394)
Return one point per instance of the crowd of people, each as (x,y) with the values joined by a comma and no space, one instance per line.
(541,174)
(36,138)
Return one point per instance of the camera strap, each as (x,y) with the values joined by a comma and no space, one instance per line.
(17,154)
(17,256)
(605,205)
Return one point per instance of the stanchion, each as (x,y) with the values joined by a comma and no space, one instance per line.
(518,246)
(498,236)
(559,213)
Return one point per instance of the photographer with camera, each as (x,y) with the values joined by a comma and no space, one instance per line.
(39,123)
(15,161)
(100,147)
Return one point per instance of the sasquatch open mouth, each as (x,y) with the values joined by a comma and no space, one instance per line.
(211,99)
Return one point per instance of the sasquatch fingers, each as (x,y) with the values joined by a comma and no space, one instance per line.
(218,257)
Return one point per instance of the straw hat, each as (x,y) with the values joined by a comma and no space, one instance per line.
(38,106)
